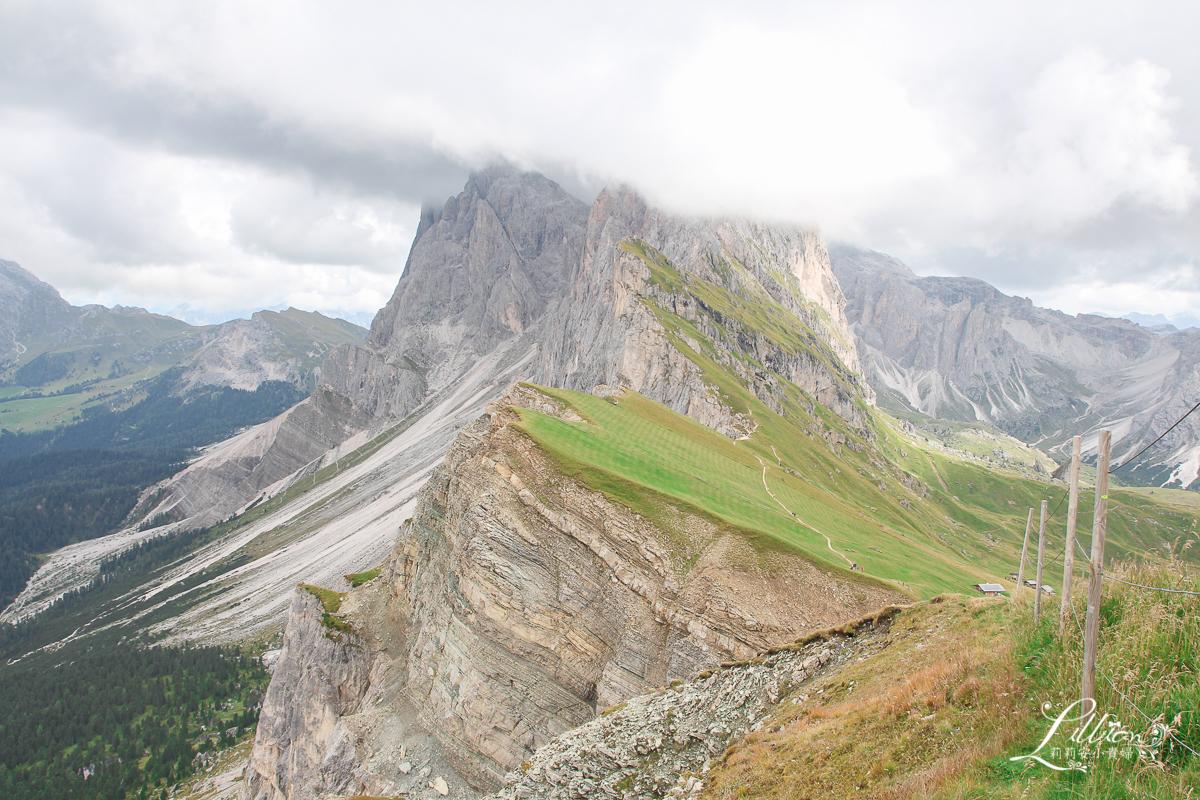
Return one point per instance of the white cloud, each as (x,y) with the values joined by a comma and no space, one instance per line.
(1173,292)
(1094,132)
(788,122)
(293,221)
(105,222)
(219,142)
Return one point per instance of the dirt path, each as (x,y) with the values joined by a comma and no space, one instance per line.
(793,513)
(938,474)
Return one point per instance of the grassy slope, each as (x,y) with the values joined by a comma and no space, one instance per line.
(956,694)
(641,453)
(924,518)
(111,352)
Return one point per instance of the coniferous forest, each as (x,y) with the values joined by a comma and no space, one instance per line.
(120,721)
(80,481)
(104,716)
(107,717)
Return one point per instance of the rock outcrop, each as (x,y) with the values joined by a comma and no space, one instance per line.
(519,603)
(514,257)
(466,312)
(661,744)
(300,744)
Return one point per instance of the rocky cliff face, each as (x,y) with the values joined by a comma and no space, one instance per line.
(956,348)
(28,306)
(483,269)
(520,603)
(465,314)
(283,765)
(1176,460)
(639,261)
(661,744)
(515,258)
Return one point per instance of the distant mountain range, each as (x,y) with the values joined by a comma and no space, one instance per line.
(58,360)
(958,349)
(1159,323)
(98,403)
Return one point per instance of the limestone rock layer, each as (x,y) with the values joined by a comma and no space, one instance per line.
(519,604)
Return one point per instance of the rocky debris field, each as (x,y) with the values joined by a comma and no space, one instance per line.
(661,744)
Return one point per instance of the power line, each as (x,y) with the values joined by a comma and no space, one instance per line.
(1156,441)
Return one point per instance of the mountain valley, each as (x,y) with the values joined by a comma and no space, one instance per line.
(584,457)
(957,349)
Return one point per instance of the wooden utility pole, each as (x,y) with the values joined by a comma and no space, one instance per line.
(1025,544)
(1069,552)
(1091,633)
(1037,590)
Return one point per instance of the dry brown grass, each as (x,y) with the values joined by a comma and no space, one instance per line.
(902,723)
(955,692)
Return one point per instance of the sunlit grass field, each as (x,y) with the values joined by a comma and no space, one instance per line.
(643,454)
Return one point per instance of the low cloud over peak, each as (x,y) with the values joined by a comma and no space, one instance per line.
(155,154)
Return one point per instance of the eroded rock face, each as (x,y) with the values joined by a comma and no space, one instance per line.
(609,332)
(519,603)
(300,747)
(232,473)
(957,348)
(483,269)
(660,744)
(514,255)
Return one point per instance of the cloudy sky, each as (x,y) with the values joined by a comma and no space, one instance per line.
(221,156)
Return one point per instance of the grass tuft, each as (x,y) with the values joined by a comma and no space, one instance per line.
(957,691)
(331,603)
(359,578)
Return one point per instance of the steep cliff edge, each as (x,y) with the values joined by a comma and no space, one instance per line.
(483,269)
(520,602)
(655,290)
